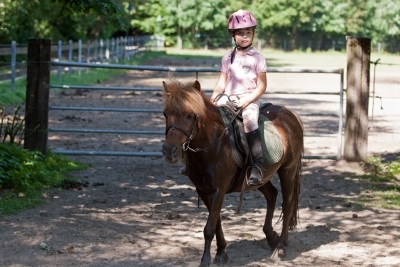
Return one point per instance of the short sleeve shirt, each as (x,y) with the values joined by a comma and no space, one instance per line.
(242,73)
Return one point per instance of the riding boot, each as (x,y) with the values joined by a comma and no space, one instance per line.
(255,145)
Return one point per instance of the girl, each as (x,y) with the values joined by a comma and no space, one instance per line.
(242,80)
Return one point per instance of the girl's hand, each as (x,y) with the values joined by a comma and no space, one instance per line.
(242,102)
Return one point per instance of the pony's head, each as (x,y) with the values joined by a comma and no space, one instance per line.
(184,98)
(187,113)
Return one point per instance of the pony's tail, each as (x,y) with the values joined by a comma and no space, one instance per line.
(295,218)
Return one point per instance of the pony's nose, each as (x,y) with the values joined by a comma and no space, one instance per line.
(169,150)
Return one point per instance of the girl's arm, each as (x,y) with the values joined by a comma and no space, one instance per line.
(219,87)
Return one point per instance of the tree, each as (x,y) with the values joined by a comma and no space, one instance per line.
(196,22)
(60,19)
(297,24)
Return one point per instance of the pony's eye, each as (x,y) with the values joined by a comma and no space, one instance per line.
(190,116)
(165,114)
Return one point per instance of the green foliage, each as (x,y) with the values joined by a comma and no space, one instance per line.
(22,170)
(202,23)
(60,19)
(106,8)
(12,97)
(384,181)
(24,174)
(385,171)
(393,168)
(11,202)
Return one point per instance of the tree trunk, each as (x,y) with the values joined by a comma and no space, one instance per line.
(357,94)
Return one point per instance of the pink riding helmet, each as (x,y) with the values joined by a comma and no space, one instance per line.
(241,19)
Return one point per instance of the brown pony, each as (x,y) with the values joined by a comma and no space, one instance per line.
(195,134)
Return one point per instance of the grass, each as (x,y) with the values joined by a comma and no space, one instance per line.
(25,176)
(382,185)
(11,203)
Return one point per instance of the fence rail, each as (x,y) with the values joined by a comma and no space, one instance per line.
(37,103)
(197,70)
(99,50)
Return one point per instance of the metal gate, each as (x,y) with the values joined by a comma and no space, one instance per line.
(160,133)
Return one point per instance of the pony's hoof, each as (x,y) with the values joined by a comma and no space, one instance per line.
(221,259)
(279,252)
(273,240)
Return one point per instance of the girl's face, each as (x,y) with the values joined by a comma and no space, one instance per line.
(244,37)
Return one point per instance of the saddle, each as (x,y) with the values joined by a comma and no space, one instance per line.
(271,146)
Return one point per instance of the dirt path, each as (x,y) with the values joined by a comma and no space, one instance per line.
(140,212)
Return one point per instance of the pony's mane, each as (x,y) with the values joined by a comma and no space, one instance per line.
(183,98)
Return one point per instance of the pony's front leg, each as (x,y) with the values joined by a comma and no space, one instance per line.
(213,226)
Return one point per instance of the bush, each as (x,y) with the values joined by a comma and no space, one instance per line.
(22,170)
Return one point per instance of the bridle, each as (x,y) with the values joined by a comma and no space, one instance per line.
(189,134)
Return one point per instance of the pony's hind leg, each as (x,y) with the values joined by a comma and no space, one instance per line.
(270,193)
(290,184)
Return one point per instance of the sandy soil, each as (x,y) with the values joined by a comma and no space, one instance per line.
(137,211)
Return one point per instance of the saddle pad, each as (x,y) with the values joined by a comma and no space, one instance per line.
(272,145)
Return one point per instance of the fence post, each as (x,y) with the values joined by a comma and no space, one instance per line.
(79,55)
(107,54)
(117,49)
(101,54)
(59,55)
(358,52)
(96,44)
(70,51)
(88,52)
(13,63)
(37,95)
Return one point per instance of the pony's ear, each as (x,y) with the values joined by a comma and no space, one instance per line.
(165,88)
(197,85)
